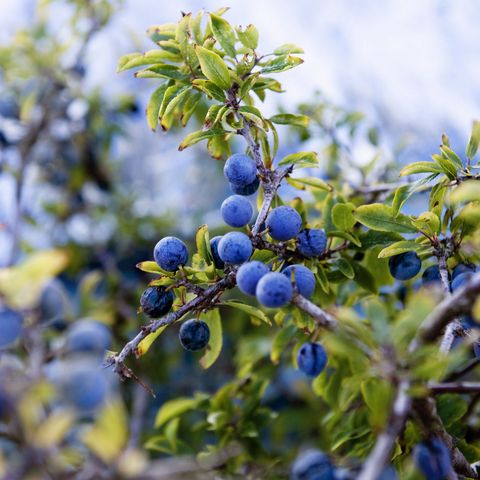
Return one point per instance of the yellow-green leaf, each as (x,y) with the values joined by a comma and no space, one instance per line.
(214,347)
(213,67)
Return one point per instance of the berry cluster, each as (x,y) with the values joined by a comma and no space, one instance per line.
(273,287)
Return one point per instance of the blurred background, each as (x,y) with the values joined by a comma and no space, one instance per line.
(81,170)
(411,68)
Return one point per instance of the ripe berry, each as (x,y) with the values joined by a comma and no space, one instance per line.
(312,242)
(214,248)
(10,326)
(431,275)
(240,170)
(88,336)
(461,279)
(312,465)
(249,274)
(236,211)
(462,268)
(274,290)
(194,335)
(311,359)
(432,458)
(85,387)
(283,223)
(249,189)
(235,248)
(304,279)
(405,265)
(170,253)
(156,302)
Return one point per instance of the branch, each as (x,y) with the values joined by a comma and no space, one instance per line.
(460,302)
(380,455)
(209,296)
(452,306)
(454,387)
(321,317)
(426,410)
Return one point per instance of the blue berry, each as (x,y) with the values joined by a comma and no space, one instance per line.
(156,301)
(249,189)
(54,304)
(88,336)
(284,223)
(249,274)
(311,359)
(240,170)
(388,473)
(304,279)
(274,290)
(462,268)
(460,280)
(214,248)
(194,335)
(170,253)
(312,465)
(404,266)
(85,387)
(235,248)
(431,275)
(432,458)
(11,324)
(236,211)
(312,242)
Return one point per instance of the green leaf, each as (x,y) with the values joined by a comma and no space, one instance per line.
(309,182)
(468,191)
(300,159)
(291,119)
(400,247)
(249,309)
(364,278)
(401,196)
(249,36)
(159,33)
(147,342)
(346,236)
(452,156)
(153,107)
(371,238)
(451,408)
(474,140)
(345,267)
(377,394)
(167,111)
(342,216)
(224,34)
(288,48)
(189,107)
(150,267)
(248,85)
(162,71)
(210,89)
(213,67)
(202,241)
(281,64)
(382,217)
(214,347)
(198,136)
(421,167)
(174,408)
(428,222)
(447,166)
(280,342)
